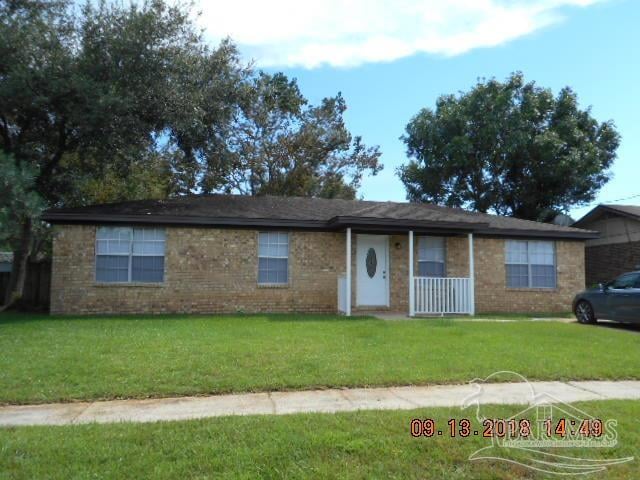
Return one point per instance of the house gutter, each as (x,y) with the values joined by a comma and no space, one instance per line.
(513,232)
(337,223)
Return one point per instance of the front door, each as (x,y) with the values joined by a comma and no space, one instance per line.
(372,264)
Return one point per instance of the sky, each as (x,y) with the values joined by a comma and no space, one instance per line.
(392,58)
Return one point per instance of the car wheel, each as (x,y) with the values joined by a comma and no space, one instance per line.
(584,313)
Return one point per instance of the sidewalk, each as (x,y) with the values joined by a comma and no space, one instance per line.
(334,400)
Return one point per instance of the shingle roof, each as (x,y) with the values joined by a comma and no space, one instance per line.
(305,213)
(630,211)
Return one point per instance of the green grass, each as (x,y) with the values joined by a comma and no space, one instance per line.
(358,445)
(48,359)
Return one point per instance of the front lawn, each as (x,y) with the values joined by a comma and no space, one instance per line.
(358,445)
(48,359)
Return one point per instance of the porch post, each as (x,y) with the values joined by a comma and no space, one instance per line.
(348,292)
(412,285)
(472,279)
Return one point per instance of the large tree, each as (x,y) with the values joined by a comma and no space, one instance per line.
(279,144)
(511,148)
(109,102)
(149,175)
(91,92)
(20,207)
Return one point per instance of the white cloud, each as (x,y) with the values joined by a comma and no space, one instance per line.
(311,33)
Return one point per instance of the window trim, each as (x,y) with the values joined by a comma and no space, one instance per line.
(130,256)
(444,251)
(274,284)
(529,265)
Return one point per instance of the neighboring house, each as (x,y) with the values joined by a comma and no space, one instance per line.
(6,262)
(226,253)
(617,249)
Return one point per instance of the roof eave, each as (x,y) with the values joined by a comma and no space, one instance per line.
(596,212)
(591,215)
(67,218)
(548,234)
(405,224)
(335,223)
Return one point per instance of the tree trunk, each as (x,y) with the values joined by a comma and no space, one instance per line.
(21,255)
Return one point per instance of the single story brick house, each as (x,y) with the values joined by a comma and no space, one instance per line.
(229,253)
(617,249)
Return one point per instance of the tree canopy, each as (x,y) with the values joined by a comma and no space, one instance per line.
(511,148)
(110,102)
(279,144)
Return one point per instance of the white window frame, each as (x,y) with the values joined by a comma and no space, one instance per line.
(271,232)
(421,240)
(529,264)
(130,254)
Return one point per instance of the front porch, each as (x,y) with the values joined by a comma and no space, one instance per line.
(408,272)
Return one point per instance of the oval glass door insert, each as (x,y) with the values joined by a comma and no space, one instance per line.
(372,262)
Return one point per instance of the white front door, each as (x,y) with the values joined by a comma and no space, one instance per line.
(372,265)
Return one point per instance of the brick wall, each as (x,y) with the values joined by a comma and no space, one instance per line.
(606,262)
(457,261)
(211,270)
(206,271)
(492,294)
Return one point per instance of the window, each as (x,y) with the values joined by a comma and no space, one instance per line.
(628,280)
(273,258)
(431,257)
(530,264)
(125,254)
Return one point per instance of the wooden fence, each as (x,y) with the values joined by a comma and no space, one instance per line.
(37,288)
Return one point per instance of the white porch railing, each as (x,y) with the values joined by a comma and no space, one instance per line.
(442,295)
(342,294)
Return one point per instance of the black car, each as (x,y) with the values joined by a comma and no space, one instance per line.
(618,300)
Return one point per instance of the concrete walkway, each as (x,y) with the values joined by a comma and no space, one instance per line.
(334,400)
